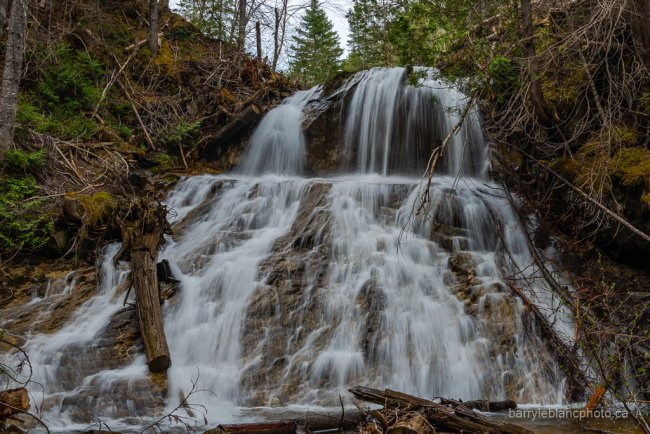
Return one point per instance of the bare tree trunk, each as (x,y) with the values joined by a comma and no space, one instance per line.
(153,26)
(258,36)
(11,75)
(276,36)
(536,93)
(242,25)
(4,4)
(641,30)
(279,32)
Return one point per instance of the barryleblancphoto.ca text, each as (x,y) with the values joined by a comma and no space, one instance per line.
(567,413)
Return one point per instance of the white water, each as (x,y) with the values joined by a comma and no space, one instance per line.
(394,126)
(376,303)
(278,144)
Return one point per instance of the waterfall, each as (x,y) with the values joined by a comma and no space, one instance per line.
(393,125)
(294,289)
(278,144)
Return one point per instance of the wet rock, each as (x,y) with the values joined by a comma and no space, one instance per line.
(449,237)
(296,272)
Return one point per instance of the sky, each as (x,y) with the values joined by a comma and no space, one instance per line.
(336,10)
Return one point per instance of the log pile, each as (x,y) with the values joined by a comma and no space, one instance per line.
(402,414)
(407,414)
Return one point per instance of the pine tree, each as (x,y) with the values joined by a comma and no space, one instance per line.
(215,18)
(369,22)
(316,50)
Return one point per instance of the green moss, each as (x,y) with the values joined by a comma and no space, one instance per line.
(97,206)
(565,89)
(632,165)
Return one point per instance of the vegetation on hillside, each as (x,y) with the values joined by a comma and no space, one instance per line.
(96,104)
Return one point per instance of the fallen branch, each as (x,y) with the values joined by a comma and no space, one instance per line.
(453,416)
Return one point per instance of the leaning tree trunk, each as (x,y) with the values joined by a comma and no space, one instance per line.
(153,26)
(11,75)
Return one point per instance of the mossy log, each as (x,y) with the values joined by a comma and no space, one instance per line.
(13,401)
(141,234)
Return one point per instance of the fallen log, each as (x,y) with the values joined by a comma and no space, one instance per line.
(452,416)
(483,404)
(412,423)
(313,421)
(280,427)
(141,237)
(13,401)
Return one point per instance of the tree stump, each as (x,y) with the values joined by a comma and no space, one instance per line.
(411,423)
(13,401)
(141,235)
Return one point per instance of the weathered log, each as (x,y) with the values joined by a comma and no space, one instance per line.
(455,417)
(483,404)
(143,236)
(412,423)
(280,427)
(314,422)
(13,401)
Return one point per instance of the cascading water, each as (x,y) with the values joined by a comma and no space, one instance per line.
(293,289)
(278,144)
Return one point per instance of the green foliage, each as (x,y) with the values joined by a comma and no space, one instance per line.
(424,32)
(315,48)
(164,160)
(69,84)
(215,18)
(24,225)
(20,161)
(183,134)
(370,21)
(65,87)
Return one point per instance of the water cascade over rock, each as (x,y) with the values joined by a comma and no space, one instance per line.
(294,288)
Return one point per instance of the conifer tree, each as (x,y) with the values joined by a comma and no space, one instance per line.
(315,49)
(369,22)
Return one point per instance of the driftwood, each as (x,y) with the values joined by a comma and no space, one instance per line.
(13,401)
(483,404)
(316,423)
(280,427)
(141,235)
(453,416)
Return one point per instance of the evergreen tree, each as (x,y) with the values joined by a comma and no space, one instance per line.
(315,49)
(370,22)
(215,18)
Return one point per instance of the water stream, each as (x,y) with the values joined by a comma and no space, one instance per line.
(294,289)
